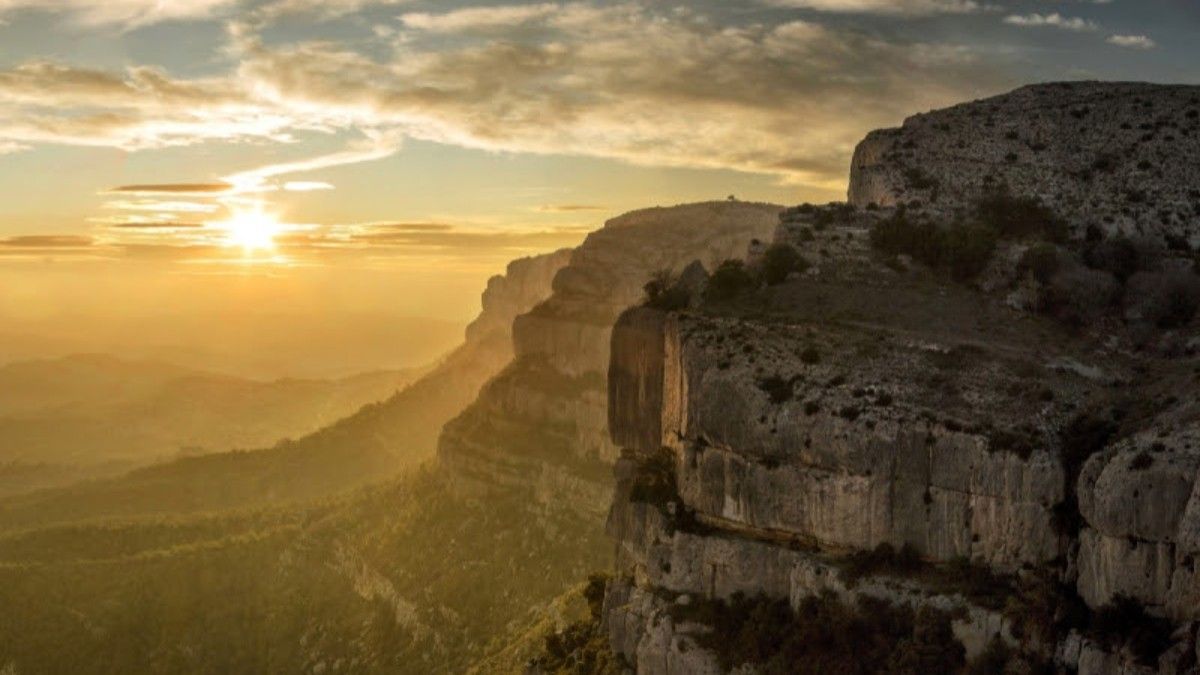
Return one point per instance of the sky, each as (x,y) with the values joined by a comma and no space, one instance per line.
(163,156)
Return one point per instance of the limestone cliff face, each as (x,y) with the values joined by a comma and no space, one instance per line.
(525,283)
(606,274)
(543,421)
(1119,156)
(771,441)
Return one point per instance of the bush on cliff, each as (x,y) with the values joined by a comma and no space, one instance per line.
(663,292)
(779,262)
(961,250)
(825,636)
(729,280)
(1014,217)
(1166,300)
(1124,623)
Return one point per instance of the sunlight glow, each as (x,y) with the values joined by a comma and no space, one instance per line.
(252,229)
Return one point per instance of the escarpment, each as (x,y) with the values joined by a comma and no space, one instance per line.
(1116,156)
(542,422)
(940,401)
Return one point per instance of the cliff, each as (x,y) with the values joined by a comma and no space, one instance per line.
(542,422)
(1119,156)
(885,429)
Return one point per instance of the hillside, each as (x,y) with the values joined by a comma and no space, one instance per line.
(83,410)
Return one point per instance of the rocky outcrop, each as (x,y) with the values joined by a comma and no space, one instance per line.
(1117,156)
(544,422)
(607,272)
(525,283)
(775,439)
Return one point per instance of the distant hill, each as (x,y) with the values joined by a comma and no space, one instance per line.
(94,409)
(366,446)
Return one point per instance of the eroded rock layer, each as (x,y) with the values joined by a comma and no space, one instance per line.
(1118,156)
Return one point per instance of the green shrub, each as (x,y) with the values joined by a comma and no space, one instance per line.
(1080,296)
(825,636)
(777,389)
(779,261)
(1165,299)
(1013,217)
(663,292)
(1042,261)
(729,280)
(967,249)
(961,250)
(1125,623)
(1119,256)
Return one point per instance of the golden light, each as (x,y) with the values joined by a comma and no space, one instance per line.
(251,229)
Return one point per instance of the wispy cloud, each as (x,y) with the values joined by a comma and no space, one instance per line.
(173,188)
(887,7)
(1132,41)
(47,241)
(569,208)
(1054,20)
(125,13)
(477,18)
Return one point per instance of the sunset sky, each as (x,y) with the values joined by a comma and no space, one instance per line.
(389,155)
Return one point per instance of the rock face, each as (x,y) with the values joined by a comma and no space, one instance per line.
(543,421)
(773,441)
(606,274)
(1121,157)
(525,283)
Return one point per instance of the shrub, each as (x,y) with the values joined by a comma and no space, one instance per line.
(962,250)
(1167,300)
(1080,296)
(663,292)
(1041,260)
(1142,461)
(1015,217)
(1124,623)
(967,249)
(779,261)
(1118,256)
(810,355)
(729,280)
(883,559)
(777,389)
(825,635)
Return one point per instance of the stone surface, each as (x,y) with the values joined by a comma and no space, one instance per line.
(1120,156)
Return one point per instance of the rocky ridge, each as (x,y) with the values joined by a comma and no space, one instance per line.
(1119,156)
(871,429)
(542,422)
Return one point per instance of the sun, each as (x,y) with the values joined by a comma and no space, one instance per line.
(251,229)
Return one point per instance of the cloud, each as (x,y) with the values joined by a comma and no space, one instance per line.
(173,188)
(126,13)
(156,225)
(375,146)
(1054,20)
(1132,41)
(569,208)
(479,18)
(410,227)
(140,108)
(616,80)
(888,7)
(622,81)
(306,186)
(47,241)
